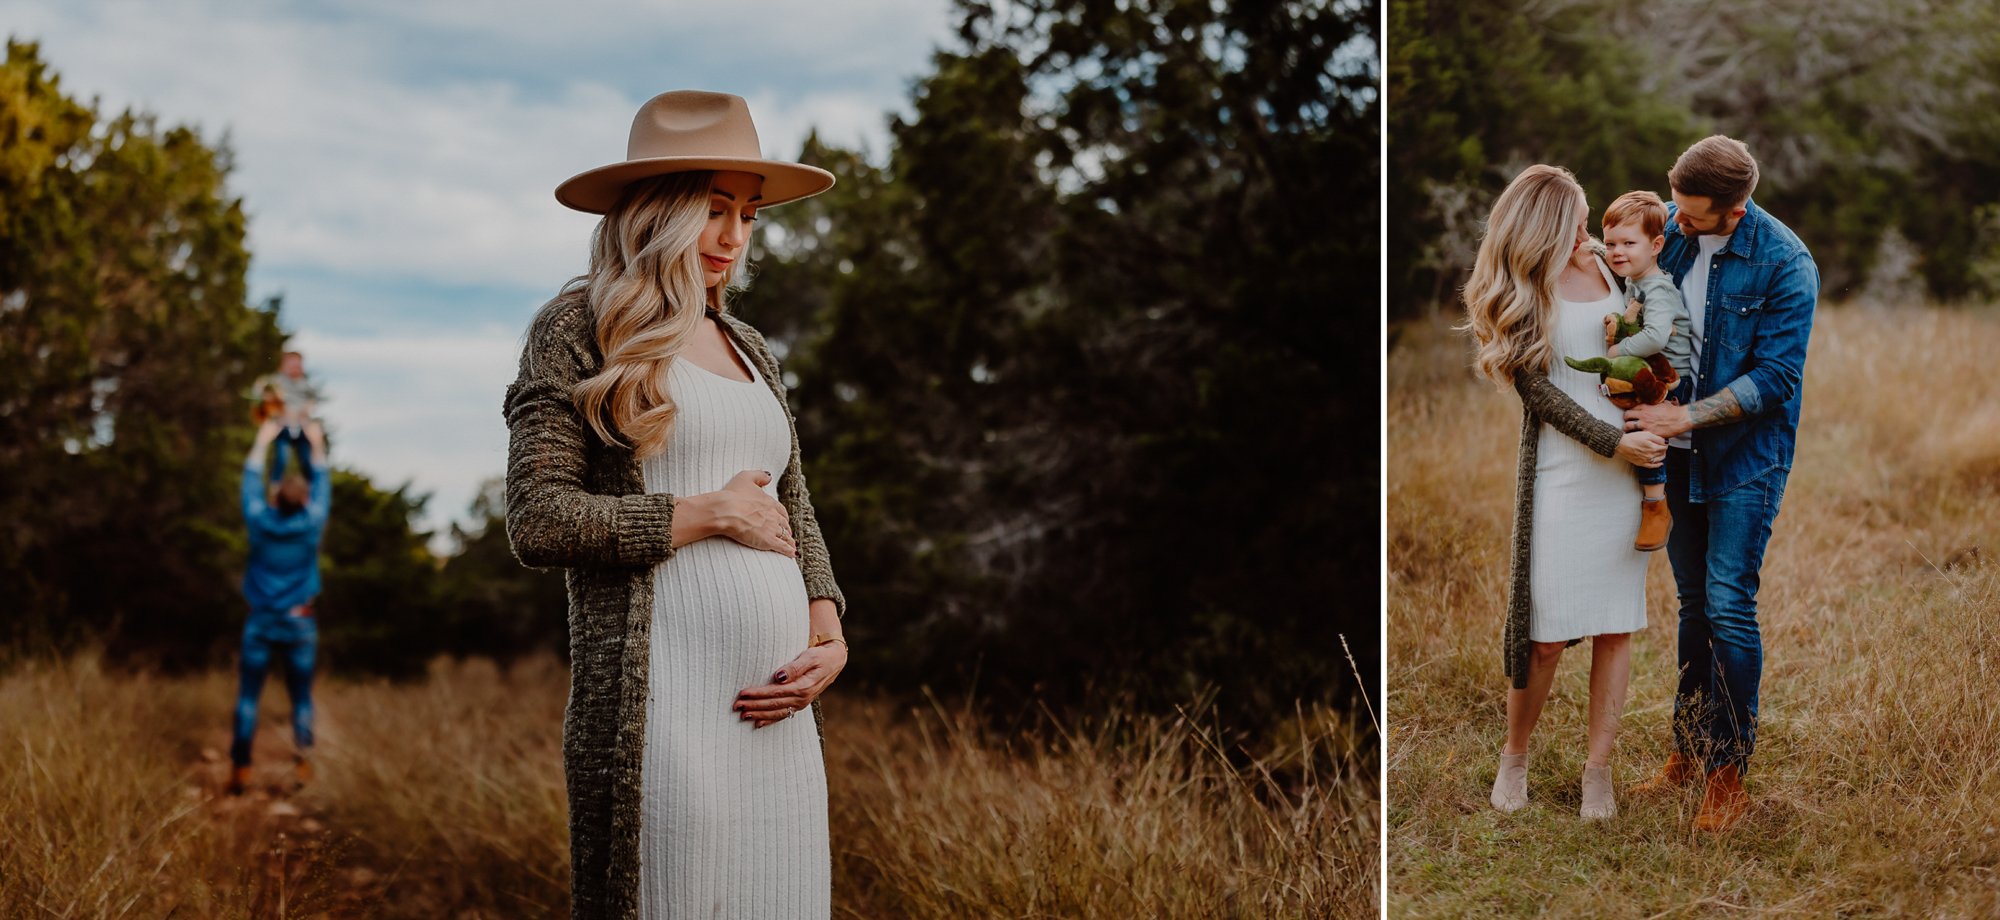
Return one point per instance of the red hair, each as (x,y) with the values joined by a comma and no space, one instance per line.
(1642,208)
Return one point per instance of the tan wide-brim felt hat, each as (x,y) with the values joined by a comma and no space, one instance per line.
(688,130)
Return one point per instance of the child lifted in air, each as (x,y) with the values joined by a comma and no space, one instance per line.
(290,397)
(1651,354)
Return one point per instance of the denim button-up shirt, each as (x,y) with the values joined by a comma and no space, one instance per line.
(283,571)
(1762,289)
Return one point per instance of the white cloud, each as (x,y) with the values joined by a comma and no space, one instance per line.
(346,163)
(423,409)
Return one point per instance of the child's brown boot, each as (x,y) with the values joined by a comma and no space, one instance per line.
(239,779)
(1655,521)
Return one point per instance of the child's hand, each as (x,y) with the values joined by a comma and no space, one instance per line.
(1612,352)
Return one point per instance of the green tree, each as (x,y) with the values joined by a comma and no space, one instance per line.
(1872,123)
(1477,92)
(127,343)
(380,608)
(1081,403)
(494,606)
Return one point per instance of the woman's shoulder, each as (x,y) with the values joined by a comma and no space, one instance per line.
(752,339)
(562,338)
(743,329)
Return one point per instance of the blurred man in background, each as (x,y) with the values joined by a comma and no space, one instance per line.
(286,520)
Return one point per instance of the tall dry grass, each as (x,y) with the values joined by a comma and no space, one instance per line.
(1876,780)
(444,798)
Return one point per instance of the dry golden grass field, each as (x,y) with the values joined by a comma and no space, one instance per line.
(443,798)
(1877,775)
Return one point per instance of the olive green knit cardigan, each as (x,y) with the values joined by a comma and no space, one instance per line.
(578,503)
(1541,401)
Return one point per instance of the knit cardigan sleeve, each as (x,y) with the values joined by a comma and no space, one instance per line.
(552,518)
(1547,402)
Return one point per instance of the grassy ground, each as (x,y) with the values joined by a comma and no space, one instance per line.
(444,798)
(1876,783)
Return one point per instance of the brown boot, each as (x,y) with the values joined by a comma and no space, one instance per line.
(1675,774)
(1725,802)
(1654,523)
(239,779)
(303,769)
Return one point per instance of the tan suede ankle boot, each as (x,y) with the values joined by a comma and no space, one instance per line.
(1510,784)
(1598,802)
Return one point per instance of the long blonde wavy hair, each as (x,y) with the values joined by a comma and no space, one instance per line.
(1530,235)
(647,299)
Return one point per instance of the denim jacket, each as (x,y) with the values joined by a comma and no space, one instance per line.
(1758,313)
(283,571)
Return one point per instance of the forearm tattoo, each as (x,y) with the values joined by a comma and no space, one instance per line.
(1720,409)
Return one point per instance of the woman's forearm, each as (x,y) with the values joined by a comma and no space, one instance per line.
(694,519)
(825,617)
(1550,404)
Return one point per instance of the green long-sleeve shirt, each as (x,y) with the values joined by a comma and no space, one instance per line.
(1667,329)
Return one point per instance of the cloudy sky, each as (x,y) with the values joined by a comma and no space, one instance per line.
(398,160)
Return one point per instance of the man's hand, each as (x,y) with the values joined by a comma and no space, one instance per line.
(1672,419)
(266,433)
(1668,419)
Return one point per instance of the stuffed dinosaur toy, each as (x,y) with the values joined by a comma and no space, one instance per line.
(1628,381)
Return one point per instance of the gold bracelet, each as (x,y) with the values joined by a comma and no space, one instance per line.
(819,639)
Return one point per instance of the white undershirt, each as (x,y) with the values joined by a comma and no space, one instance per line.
(1694,293)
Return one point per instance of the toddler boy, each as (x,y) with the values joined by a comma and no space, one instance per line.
(1656,322)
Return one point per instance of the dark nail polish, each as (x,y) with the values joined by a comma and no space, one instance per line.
(781,677)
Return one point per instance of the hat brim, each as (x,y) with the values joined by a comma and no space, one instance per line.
(596,191)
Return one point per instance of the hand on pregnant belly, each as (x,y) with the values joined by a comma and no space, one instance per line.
(744,512)
(794,686)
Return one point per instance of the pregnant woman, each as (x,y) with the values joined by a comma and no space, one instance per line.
(1538,291)
(652,455)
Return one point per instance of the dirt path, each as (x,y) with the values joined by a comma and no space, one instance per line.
(291,858)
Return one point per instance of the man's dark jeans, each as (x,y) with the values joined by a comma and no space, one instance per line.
(291,639)
(1717,550)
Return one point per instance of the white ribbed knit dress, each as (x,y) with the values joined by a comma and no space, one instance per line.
(1584,577)
(732,820)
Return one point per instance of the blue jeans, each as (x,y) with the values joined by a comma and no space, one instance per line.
(293,440)
(295,640)
(1717,550)
(1657,475)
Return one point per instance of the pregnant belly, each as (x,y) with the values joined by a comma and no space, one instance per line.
(727,610)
